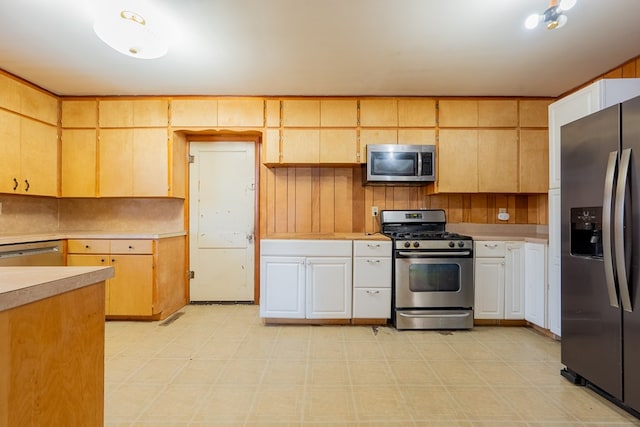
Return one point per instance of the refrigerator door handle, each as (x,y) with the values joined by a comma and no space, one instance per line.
(618,227)
(607,253)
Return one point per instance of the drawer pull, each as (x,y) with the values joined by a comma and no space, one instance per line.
(87,246)
(373,292)
(15,184)
(373,261)
(130,247)
(491,245)
(373,245)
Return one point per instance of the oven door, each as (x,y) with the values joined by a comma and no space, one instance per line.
(426,280)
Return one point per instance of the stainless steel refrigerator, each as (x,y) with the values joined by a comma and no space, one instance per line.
(600,244)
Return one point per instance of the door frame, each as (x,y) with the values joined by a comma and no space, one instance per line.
(213,137)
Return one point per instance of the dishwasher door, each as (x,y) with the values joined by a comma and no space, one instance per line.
(48,253)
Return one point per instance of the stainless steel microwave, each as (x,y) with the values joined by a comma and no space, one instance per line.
(400,164)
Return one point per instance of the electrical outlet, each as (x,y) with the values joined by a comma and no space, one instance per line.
(374,211)
(503,215)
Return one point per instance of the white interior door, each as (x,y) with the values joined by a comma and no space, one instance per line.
(221,221)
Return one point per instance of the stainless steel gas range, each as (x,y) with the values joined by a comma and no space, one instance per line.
(432,271)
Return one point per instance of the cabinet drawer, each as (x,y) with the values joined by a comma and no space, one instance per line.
(371,248)
(369,272)
(88,246)
(489,248)
(131,246)
(371,303)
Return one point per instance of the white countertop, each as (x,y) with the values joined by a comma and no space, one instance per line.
(24,285)
(41,237)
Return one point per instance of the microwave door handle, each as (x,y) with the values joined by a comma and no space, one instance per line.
(607,253)
(419,164)
(619,232)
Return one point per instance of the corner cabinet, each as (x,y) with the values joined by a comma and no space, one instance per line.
(305,279)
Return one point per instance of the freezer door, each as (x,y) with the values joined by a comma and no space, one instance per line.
(631,320)
(591,327)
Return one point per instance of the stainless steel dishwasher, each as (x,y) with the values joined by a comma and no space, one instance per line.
(47,253)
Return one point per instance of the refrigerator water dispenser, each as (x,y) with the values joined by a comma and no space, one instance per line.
(586,231)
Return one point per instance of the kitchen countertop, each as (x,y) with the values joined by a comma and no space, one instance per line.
(41,237)
(24,285)
(327,236)
(504,232)
(533,238)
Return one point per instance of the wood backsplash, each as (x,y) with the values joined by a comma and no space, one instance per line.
(333,200)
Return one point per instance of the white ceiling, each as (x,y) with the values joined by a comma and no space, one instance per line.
(325,47)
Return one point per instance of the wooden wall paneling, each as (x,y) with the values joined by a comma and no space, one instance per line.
(379,199)
(316,215)
(327,200)
(532,209)
(522,209)
(638,67)
(614,74)
(343,191)
(629,69)
(389,197)
(281,199)
(302,200)
(359,203)
(543,209)
(266,202)
(440,201)
(479,208)
(456,208)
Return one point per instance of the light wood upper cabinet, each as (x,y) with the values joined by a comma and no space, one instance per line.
(133,113)
(458,113)
(79,113)
(39,105)
(300,145)
(417,136)
(376,136)
(134,162)
(194,112)
(338,146)
(417,112)
(378,112)
(241,112)
(498,113)
(271,147)
(78,168)
(10,91)
(272,112)
(534,161)
(339,113)
(458,161)
(534,112)
(29,140)
(301,113)
(9,152)
(38,158)
(497,161)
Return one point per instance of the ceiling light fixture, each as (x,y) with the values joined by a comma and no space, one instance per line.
(132,32)
(553,17)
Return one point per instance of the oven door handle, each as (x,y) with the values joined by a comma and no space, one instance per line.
(426,316)
(408,254)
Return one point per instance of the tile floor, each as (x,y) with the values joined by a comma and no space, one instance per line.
(218,365)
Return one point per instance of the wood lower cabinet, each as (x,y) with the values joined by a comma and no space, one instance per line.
(149,279)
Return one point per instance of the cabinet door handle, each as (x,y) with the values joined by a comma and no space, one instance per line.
(15,184)
(26,182)
(86,246)
(130,247)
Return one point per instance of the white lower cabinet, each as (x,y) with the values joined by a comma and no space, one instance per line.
(499,280)
(371,279)
(536,284)
(306,279)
